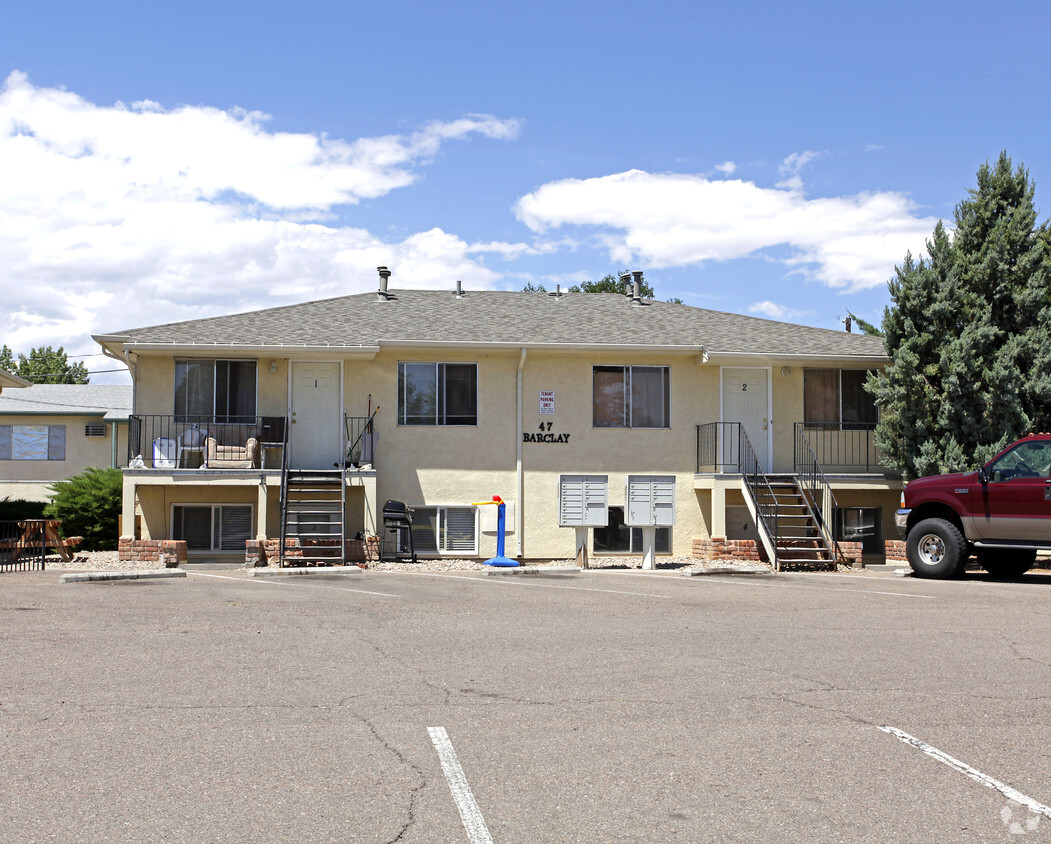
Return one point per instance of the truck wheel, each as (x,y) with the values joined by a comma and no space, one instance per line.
(1006,563)
(935,548)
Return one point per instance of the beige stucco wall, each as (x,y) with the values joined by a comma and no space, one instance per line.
(455,466)
(81,451)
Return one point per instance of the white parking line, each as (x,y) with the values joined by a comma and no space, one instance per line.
(470,814)
(812,588)
(967,770)
(530,581)
(297,583)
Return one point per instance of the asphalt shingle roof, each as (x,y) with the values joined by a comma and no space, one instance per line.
(113,401)
(485,316)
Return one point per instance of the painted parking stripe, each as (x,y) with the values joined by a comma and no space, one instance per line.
(967,770)
(470,814)
(523,583)
(283,583)
(813,588)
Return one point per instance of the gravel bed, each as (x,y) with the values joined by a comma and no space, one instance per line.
(109,561)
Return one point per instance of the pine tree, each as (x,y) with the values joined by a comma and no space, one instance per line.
(968,334)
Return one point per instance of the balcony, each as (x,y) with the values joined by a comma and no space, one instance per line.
(180,443)
(839,449)
(836,449)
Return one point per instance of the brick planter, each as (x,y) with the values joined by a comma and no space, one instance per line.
(894,549)
(264,552)
(721,548)
(151,550)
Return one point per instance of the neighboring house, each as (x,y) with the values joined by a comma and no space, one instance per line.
(553,401)
(9,380)
(49,432)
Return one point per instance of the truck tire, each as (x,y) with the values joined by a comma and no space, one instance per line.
(1006,563)
(936,548)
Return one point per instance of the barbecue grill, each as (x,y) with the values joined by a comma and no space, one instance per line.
(397,533)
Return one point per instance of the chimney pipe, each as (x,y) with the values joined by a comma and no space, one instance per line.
(458,292)
(636,287)
(381,294)
(625,281)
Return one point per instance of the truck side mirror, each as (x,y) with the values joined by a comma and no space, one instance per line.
(983,475)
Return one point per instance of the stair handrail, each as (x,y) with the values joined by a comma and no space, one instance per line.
(813,482)
(283,502)
(756,481)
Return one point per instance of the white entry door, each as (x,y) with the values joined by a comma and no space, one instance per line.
(315,434)
(746,399)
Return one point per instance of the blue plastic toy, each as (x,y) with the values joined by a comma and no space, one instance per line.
(499,559)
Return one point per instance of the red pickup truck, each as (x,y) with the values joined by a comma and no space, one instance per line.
(1001,514)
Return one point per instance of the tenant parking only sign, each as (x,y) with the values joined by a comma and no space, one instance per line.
(547,402)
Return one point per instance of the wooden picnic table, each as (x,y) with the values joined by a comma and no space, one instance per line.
(43,533)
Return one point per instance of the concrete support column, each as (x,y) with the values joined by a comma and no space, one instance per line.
(127,511)
(718,525)
(262,511)
(649,547)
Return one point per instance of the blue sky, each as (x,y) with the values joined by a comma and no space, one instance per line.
(162,162)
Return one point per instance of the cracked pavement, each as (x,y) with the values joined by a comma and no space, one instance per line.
(604,707)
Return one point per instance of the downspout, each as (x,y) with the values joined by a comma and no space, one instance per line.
(519,476)
(113,447)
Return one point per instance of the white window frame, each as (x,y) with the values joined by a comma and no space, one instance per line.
(438,419)
(440,515)
(629,406)
(215,506)
(214,414)
(15,443)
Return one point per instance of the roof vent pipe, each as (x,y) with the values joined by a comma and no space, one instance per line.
(381,294)
(556,293)
(636,287)
(625,283)
(458,292)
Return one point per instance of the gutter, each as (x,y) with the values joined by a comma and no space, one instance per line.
(519,473)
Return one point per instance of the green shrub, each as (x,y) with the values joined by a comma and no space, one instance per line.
(88,505)
(21,509)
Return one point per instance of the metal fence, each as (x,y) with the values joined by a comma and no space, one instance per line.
(22,545)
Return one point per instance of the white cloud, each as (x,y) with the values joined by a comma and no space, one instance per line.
(727,167)
(669,220)
(776,311)
(125,215)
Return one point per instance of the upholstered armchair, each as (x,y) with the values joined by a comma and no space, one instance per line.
(218,456)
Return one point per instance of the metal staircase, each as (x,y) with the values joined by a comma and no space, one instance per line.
(313,512)
(797,536)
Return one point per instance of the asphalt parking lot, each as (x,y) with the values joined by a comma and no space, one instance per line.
(605,706)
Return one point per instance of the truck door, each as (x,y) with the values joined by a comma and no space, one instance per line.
(1016,503)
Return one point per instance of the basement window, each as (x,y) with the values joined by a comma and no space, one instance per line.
(445,530)
(617,538)
(212,527)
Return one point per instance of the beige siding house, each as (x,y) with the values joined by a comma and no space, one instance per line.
(49,432)
(628,424)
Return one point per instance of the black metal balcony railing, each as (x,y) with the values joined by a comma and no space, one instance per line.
(844,449)
(360,440)
(719,447)
(171,442)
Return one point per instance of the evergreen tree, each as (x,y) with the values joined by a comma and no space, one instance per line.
(607,284)
(44,365)
(967,334)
